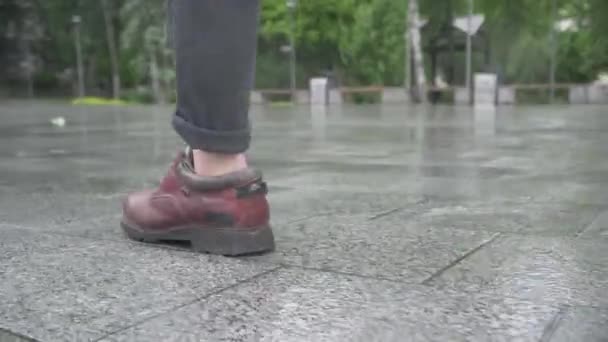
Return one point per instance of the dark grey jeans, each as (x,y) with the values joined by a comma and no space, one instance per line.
(215,48)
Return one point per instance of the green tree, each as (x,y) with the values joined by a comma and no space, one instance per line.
(108,8)
(317,31)
(372,48)
(144,41)
(358,41)
(518,31)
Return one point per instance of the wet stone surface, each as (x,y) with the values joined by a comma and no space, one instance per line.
(392,223)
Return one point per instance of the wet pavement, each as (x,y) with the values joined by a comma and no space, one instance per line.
(392,224)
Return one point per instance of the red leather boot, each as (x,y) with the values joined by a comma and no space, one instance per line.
(226,215)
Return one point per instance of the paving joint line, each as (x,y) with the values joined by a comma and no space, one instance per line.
(385,213)
(198,299)
(17,335)
(458,260)
(583,230)
(563,307)
(553,325)
(348,274)
(396,210)
(305,218)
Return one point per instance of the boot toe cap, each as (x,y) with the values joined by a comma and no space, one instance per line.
(136,209)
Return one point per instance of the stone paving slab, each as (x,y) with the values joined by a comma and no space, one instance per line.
(521,217)
(55,209)
(356,245)
(556,270)
(297,204)
(7,336)
(57,288)
(357,182)
(93,173)
(598,228)
(296,305)
(577,324)
(392,223)
(514,190)
(98,216)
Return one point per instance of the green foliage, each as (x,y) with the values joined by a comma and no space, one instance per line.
(598,37)
(372,49)
(98,101)
(318,26)
(272,71)
(138,95)
(361,42)
(574,63)
(143,41)
(528,60)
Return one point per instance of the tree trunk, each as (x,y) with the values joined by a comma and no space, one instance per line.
(79,63)
(414,28)
(159,96)
(28,67)
(108,15)
(451,48)
(407,60)
(91,83)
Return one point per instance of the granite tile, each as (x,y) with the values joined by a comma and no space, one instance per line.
(555,270)
(48,210)
(398,251)
(533,189)
(581,324)
(99,216)
(522,217)
(337,181)
(7,336)
(533,172)
(58,288)
(598,228)
(297,204)
(297,305)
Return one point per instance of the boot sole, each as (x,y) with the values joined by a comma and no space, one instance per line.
(220,241)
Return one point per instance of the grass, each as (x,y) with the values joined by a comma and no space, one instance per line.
(281,104)
(98,101)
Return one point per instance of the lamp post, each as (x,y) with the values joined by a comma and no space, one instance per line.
(291,6)
(76,21)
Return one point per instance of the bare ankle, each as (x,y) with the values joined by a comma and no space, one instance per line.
(215,164)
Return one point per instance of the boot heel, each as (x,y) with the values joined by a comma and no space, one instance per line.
(232,241)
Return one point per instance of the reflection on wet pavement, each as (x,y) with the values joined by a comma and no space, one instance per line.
(442,223)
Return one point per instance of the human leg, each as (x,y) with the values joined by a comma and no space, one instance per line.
(215,45)
(209,197)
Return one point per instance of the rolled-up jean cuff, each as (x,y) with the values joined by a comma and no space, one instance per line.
(227,142)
